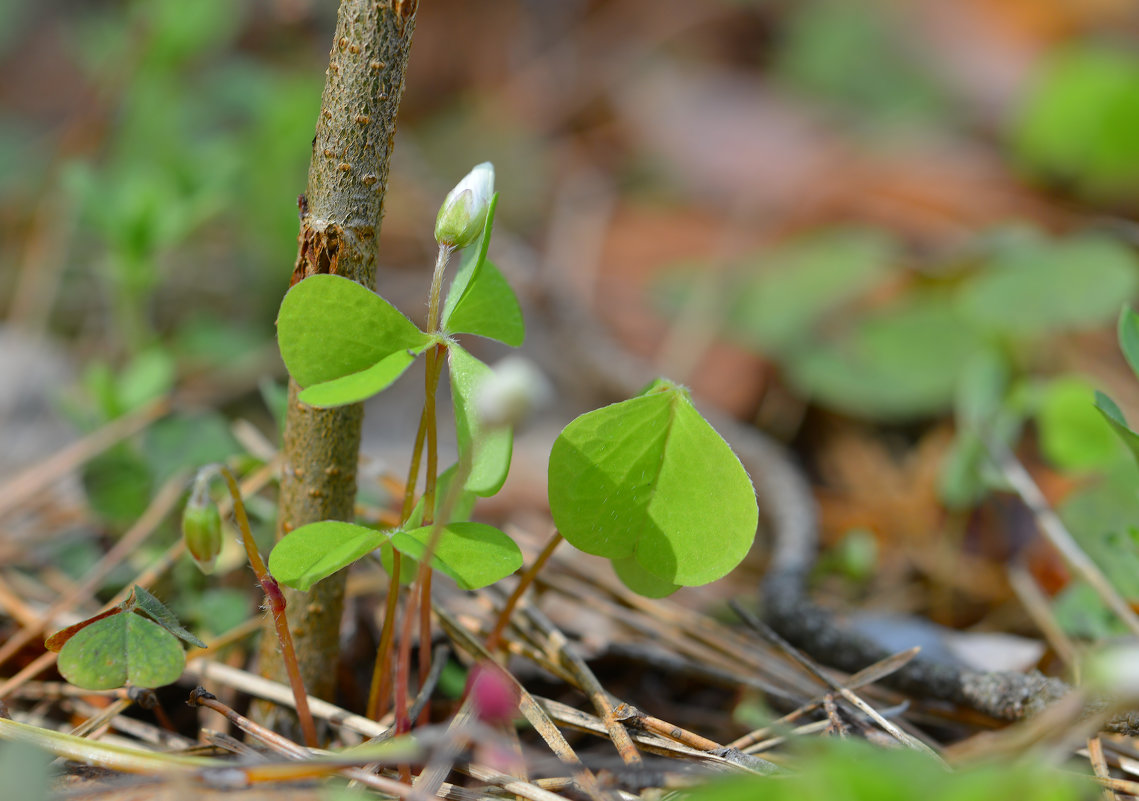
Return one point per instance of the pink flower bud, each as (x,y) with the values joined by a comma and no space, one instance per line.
(493,696)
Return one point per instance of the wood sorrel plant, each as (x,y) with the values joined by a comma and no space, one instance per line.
(134,642)
(646,483)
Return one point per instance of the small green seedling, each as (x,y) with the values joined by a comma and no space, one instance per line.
(136,642)
(646,483)
(201,533)
(343,343)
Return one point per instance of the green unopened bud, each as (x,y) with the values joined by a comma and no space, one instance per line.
(463,214)
(513,391)
(201,526)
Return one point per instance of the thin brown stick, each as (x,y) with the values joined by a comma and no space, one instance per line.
(1099,765)
(559,647)
(636,719)
(524,581)
(14,606)
(282,745)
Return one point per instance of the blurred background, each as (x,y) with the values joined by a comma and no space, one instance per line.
(845,221)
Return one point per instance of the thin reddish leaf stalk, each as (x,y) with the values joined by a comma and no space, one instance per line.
(402,722)
(425,644)
(381,687)
(421,586)
(422,582)
(495,637)
(423,577)
(381,670)
(276,601)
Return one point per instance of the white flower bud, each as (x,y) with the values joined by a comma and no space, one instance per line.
(1113,671)
(511,393)
(463,214)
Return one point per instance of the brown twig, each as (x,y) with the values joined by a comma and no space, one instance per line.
(340,221)
(524,582)
(1099,765)
(636,719)
(260,687)
(868,675)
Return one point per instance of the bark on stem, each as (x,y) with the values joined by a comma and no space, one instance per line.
(340,221)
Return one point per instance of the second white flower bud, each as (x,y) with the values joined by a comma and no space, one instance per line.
(511,393)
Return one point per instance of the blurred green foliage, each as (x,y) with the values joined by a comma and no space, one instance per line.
(853,58)
(1101,515)
(1079,126)
(187,208)
(180,171)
